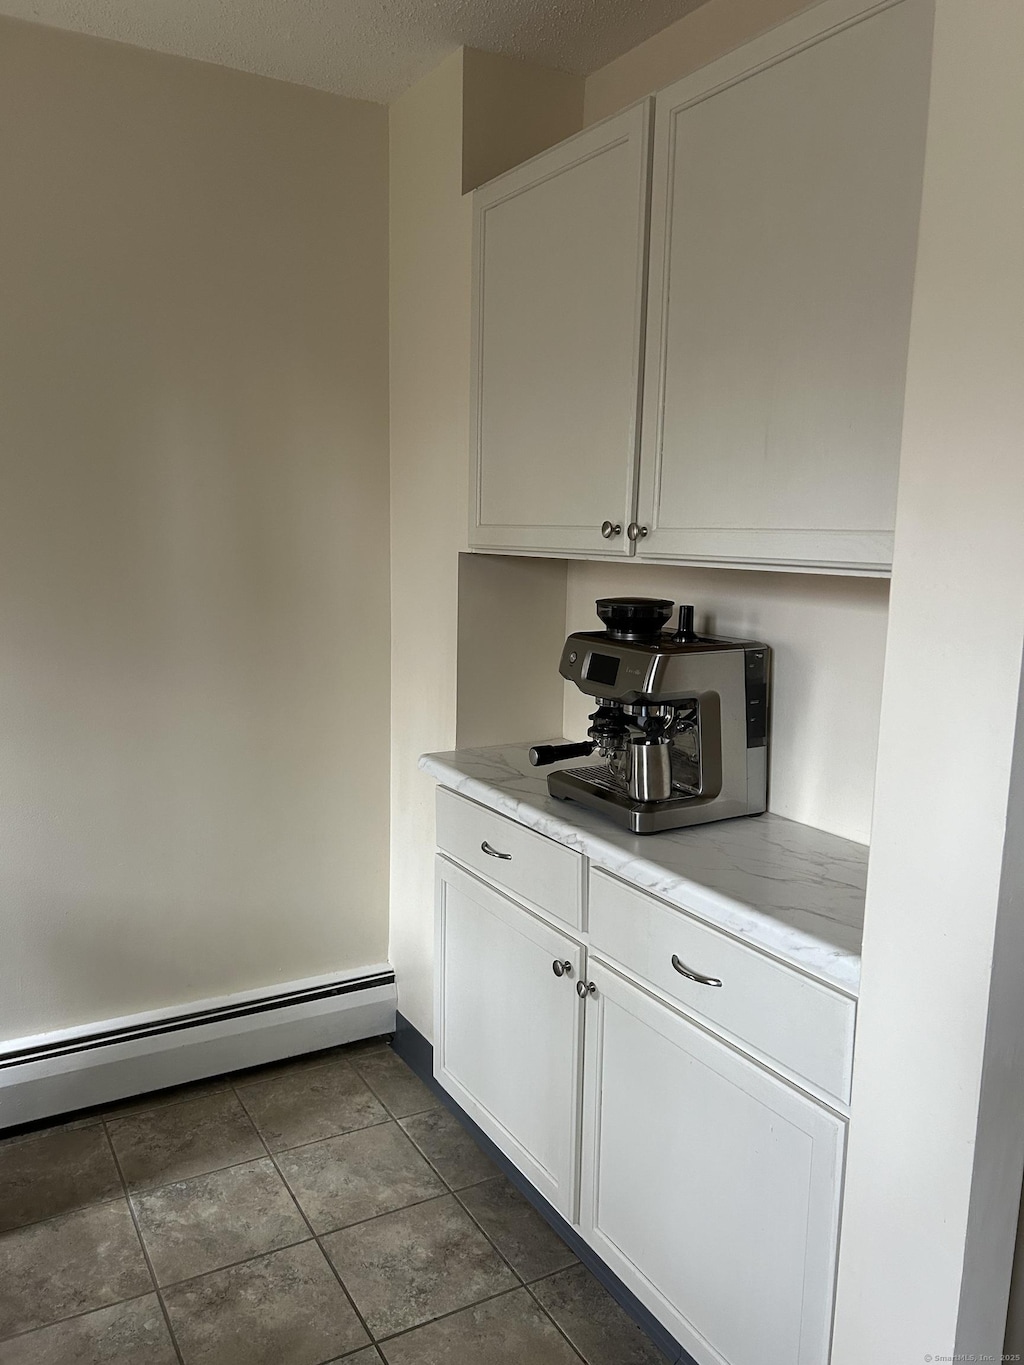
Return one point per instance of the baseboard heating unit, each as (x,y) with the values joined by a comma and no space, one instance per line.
(58,1073)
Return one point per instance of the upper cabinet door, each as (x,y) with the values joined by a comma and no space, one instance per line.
(786,198)
(558,317)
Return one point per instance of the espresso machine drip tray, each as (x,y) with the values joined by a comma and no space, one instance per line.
(597,788)
(597,777)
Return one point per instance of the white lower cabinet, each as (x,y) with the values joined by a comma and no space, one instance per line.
(709,1186)
(508,1029)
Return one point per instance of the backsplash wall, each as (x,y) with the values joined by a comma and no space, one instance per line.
(827,636)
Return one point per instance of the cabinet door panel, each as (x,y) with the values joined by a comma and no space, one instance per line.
(508,1030)
(709,1186)
(559,277)
(787,187)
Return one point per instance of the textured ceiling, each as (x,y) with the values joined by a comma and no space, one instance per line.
(367,49)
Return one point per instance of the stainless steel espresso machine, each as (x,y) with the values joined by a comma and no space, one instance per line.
(681,724)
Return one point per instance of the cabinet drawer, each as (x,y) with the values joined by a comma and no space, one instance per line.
(805,1026)
(548,876)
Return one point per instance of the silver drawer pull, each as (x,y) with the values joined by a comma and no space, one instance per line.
(493,852)
(700,979)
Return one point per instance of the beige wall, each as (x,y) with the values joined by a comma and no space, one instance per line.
(716,27)
(511,111)
(432,157)
(828,646)
(430,244)
(511,632)
(193,531)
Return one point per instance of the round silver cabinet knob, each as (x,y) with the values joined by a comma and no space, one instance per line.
(610,528)
(635,531)
(585,988)
(562,967)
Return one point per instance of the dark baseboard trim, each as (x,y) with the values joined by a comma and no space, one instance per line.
(418,1054)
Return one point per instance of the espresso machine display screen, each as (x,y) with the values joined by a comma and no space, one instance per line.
(603,669)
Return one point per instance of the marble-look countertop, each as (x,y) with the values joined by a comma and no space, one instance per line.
(793,891)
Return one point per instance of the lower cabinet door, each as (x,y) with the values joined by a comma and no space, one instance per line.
(709,1186)
(508,1028)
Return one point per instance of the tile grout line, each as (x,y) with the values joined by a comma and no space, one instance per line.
(285,1069)
(142,1244)
(454,1312)
(114,1116)
(127,1192)
(94,1116)
(218,1170)
(42,1129)
(313,1142)
(242,1260)
(67,1213)
(523,1282)
(201,1175)
(380,1099)
(487,1236)
(302,1214)
(448,1193)
(531,1290)
(436,1169)
(386,1213)
(78,1120)
(441,1317)
(426,1158)
(232,1087)
(73,1317)
(557,1325)
(536,1278)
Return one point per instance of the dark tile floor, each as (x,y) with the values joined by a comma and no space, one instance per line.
(321,1210)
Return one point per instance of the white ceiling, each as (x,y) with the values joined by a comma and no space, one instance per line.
(367,49)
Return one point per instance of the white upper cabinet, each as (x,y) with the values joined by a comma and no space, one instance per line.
(786,198)
(785,193)
(558,300)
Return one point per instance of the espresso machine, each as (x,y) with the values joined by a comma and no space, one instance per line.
(681,725)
